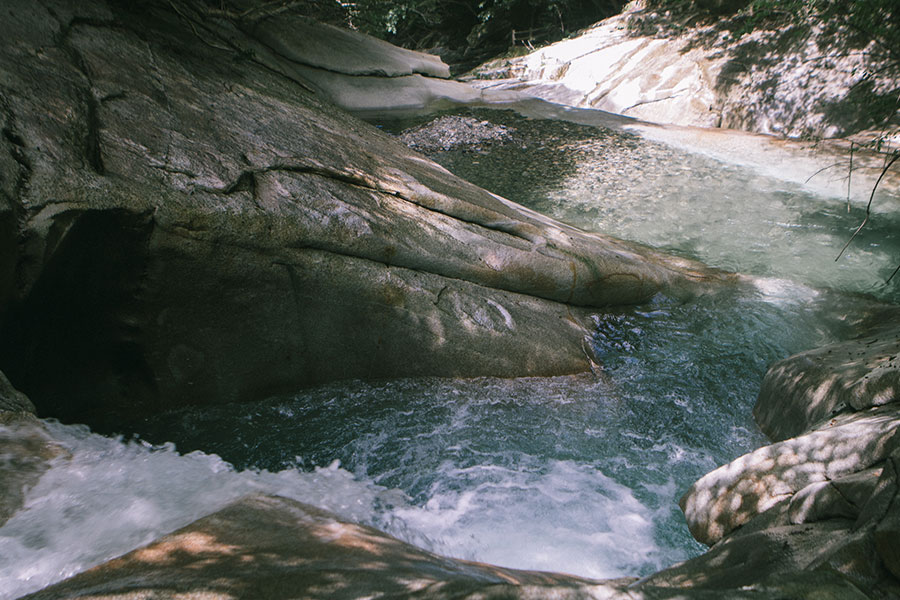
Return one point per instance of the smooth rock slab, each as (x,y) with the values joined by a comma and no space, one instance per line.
(807,388)
(267,547)
(732,495)
(192,224)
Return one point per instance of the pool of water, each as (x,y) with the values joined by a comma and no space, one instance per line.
(576,474)
(743,219)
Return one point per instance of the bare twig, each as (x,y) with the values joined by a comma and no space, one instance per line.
(894,159)
(808,179)
(892,274)
(849,175)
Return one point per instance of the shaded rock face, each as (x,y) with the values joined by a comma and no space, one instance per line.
(822,499)
(187,222)
(12,400)
(25,448)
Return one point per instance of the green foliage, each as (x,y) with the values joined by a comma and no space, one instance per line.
(475,26)
(865,21)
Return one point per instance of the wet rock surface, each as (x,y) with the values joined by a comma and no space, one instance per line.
(193,226)
(26,449)
(183,221)
(824,500)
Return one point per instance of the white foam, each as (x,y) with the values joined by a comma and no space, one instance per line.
(564,516)
(110,497)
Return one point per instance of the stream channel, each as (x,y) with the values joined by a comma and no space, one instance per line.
(575,474)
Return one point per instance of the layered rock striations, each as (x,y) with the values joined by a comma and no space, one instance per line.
(186,220)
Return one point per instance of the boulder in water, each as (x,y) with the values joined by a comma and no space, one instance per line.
(824,501)
(189,223)
(272,547)
(25,448)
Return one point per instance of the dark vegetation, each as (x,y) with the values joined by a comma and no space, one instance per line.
(468,32)
(464,33)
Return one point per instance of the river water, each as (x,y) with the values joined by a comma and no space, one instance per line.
(575,474)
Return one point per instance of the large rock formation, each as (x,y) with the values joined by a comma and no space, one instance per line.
(776,80)
(357,72)
(277,549)
(182,220)
(825,502)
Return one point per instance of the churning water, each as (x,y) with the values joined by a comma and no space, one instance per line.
(575,474)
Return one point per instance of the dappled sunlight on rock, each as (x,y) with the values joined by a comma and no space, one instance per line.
(810,387)
(272,547)
(195,544)
(735,493)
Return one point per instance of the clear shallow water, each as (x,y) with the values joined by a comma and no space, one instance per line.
(723,214)
(575,474)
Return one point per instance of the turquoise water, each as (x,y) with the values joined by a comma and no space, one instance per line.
(725,215)
(575,474)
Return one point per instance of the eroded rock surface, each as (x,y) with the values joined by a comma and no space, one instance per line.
(189,223)
(781,81)
(822,499)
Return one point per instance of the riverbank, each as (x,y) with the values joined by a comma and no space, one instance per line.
(779,78)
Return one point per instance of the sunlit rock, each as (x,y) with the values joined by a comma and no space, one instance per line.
(272,547)
(777,81)
(811,387)
(732,495)
(608,68)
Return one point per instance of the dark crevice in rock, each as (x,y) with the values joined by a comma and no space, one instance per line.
(440,294)
(93,154)
(11,240)
(92,150)
(16,147)
(837,490)
(76,330)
